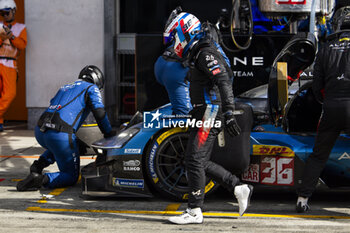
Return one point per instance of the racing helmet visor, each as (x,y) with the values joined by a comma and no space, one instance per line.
(168,34)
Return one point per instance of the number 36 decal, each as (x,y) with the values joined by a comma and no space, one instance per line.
(277,170)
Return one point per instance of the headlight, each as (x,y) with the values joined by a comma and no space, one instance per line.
(123,137)
(117,141)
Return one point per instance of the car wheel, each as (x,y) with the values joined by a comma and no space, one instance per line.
(165,165)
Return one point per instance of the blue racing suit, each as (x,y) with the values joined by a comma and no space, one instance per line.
(57,126)
(171,73)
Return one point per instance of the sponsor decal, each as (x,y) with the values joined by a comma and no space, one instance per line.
(98,94)
(243,74)
(133,169)
(250,62)
(53,107)
(197,193)
(208,187)
(216,71)
(252,173)
(255,61)
(132,151)
(68,86)
(213,68)
(209,58)
(132,165)
(277,170)
(273,150)
(306,74)
(166,134)
(128,183)
(212,63)
(151,163)
(341,77)
(344,156)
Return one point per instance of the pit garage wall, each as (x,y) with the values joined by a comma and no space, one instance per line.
(63,37)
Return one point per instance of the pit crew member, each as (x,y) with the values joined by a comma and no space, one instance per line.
(331,86)
(171,72)
(57,126)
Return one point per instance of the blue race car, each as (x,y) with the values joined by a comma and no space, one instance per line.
(141,161)
(278,132)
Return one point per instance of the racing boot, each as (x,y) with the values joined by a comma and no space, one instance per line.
(33,182)
(190,216)
(243,194)
(38,166)
(302,205)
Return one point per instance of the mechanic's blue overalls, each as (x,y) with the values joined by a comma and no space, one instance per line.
(71,105)
(171,73)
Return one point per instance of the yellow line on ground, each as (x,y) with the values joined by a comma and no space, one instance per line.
(20,156)
(101,211)
(89,125)
(36,156)
(55,192)
(39,209)
(42,200)
(93,158)
(172,207)
(58,191)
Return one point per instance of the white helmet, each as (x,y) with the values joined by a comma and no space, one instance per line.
(7,5)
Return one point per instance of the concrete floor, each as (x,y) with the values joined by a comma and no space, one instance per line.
(63,210)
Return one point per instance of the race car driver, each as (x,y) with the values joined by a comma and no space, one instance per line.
(331,86)
(57,127)
(212,100)
(12,39)
(171,71)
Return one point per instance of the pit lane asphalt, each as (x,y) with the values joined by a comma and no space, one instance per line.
(62,210)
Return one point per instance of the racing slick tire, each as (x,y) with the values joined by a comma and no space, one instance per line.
(165,169)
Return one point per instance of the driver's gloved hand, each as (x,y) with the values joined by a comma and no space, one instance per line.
(112,133)
(231,124)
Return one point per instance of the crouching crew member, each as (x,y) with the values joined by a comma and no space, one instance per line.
(57,126)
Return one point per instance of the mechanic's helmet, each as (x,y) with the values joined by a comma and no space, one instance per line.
(6,5)
(341,19)
(92,74)
(183,29)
